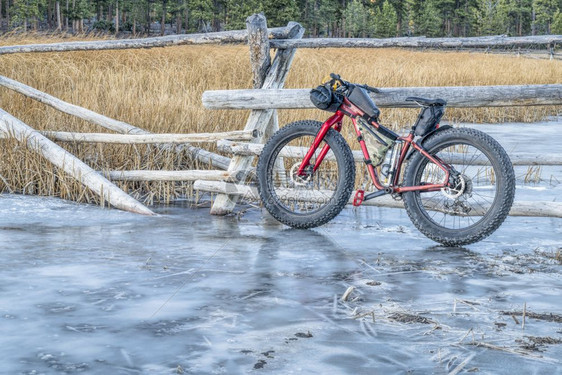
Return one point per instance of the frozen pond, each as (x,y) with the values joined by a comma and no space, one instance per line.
(84,289)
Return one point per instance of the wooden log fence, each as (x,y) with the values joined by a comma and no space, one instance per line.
(188,175)
(263,120)
(267,96)
(199,154)
(70,164)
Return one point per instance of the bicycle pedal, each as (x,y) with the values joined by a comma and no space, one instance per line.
(359,197)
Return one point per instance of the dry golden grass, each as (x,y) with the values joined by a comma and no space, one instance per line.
(160,90)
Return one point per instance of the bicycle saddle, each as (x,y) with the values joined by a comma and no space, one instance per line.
(426,102)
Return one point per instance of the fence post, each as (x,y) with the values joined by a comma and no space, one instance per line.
(263,120)
(258,42)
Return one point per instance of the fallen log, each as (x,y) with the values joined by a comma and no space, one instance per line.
(393,97)
(70,164)
(237,36)
(521,208)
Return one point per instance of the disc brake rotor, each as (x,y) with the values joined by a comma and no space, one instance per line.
(459,188)
(300,180)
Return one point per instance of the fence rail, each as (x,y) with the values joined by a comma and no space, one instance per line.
(520,158)
(519,208)
(421,42)
(240,135)
(394,97)
(237,37)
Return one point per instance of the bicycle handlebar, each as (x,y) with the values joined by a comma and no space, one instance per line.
(336,77)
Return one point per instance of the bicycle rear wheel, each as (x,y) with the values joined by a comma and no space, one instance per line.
(481,192)
(316,197)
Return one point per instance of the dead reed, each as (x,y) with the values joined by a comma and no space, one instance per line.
(160,90)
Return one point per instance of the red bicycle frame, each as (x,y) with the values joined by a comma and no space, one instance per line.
(335,121)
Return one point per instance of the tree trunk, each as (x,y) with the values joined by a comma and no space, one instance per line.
(8,18)
(57,14)
(147,18)
(117,17)
(66,21)
(49,14)
(186,20)
(163,21)
(533,26)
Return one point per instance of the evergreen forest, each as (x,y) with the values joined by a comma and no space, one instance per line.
(321,18)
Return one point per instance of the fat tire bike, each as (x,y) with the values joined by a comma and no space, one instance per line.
(457,184)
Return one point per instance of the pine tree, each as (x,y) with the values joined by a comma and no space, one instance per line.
(385,20)
(430,20)
(400,8)
(238,10)
(279,13)
(201,14)
(556,27)
(25,10)
(355,19)
(544,11)
(516,16)
(487,19)
(331,13)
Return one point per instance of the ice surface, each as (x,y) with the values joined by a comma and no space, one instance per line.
(97,291)
(85,289)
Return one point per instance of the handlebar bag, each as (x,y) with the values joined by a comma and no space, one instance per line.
(323,97)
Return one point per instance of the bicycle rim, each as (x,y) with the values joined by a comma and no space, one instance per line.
(302,194)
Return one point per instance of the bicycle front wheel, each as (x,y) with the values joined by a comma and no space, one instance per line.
(481,192)
(316,196)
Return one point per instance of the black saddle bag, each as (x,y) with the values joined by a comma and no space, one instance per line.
(428,119)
